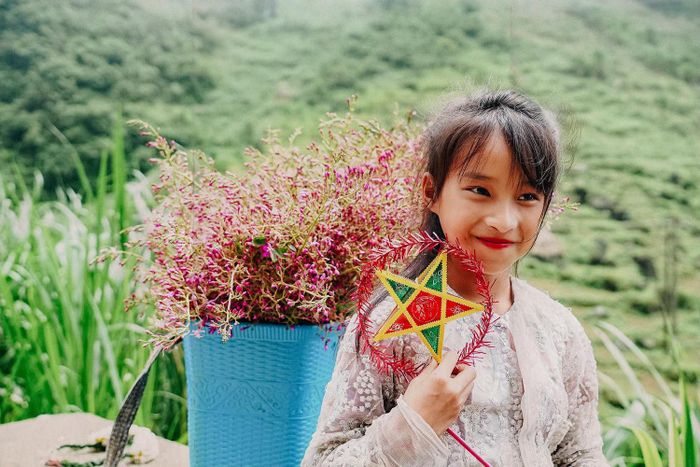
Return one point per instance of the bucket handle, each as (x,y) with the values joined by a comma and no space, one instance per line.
(127,413)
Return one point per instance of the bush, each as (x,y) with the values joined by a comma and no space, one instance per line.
(92,67)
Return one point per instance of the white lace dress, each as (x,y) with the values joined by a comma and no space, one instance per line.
(534,401)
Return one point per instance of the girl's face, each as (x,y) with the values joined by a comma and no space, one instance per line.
(485,209)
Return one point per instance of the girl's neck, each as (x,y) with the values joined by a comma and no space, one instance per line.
(465,285)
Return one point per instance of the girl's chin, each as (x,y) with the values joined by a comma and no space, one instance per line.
(489,272)
(494,270)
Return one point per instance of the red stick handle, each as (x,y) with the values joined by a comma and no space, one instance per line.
(466,446)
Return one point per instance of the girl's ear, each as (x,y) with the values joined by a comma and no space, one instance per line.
(428,189)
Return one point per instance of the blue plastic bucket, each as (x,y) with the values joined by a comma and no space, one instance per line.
(255,399)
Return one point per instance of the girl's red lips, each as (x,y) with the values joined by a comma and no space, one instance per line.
(497,243)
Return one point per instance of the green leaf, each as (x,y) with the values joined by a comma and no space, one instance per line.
(277,253)
(259,240)
(650,453)
(119,176)
(674,443)
(687,429)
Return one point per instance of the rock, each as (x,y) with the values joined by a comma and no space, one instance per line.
(599,312)
(647,342)
(36,441)
(547,247)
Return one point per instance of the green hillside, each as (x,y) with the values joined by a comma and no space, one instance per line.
(624,75)
(68,68)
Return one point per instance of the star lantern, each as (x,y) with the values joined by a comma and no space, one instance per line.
(423,306)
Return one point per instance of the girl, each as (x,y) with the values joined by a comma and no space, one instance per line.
(492,163)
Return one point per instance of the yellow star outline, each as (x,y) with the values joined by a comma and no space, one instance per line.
(420,286)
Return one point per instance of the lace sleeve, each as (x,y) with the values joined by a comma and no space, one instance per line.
(354,428)
(582,445)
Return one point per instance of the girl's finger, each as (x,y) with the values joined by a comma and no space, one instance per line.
(447,364)
(466,376)
(432,364)
(467,393)
(458,368)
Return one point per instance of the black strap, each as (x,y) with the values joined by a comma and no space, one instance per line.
(127,412)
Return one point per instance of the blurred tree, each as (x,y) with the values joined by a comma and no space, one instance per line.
(65,67)
(668,288)
(238,13)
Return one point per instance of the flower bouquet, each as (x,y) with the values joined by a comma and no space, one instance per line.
(268,259)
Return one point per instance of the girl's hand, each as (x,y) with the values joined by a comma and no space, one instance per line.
(437,396)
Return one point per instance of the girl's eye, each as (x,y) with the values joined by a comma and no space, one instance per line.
(529,197)
(479,190)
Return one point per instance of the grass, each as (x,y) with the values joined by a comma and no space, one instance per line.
(69,345)
(654,423)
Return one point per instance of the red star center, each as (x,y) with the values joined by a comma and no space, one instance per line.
(423,306)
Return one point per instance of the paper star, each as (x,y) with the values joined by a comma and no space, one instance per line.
(423,306)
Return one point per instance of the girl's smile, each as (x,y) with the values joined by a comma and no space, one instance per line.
(495,243)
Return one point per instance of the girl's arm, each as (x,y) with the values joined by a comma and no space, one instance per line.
(582,445)
(354,428)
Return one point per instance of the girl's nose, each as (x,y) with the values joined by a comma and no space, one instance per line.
(503,218)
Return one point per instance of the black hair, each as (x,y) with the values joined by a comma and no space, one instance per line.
(458,133)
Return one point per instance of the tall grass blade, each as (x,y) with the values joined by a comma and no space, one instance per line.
(650,454)
(66,343)
(82,174)
(19,184)
(687,428)
(609,382)
(617,438)
(675,454)
(106,344)
(644,397)
(119,180)
(100,201)
(637,352)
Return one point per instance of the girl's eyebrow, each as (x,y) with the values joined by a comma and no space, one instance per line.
(476,176)
(479,176)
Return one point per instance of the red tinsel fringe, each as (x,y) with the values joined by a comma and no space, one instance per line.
(397,251)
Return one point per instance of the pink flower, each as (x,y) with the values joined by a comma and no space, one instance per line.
(284,240)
